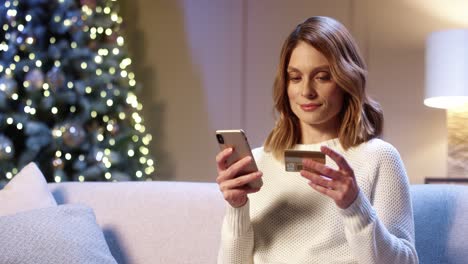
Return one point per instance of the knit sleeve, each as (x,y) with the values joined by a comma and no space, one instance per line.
(383,232)
(237,238)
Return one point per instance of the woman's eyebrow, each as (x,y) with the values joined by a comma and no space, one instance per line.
(315,70)
(322,68)
(292,69)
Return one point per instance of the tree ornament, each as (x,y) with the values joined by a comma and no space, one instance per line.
(90,3)
(80,87)
(35,79)
(115,129)
(47,103)
(95,156)
(58,164)
(7,150)
(55,52)
(92,126)
(20,39)
(11,17)
(114,157)
(79,164)
(93,45)
(74,135)
(8,85)
(38,34)
(112,38)
(56,79)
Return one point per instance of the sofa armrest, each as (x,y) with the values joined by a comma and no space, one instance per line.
(441,222)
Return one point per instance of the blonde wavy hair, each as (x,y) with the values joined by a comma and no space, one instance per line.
(361,117)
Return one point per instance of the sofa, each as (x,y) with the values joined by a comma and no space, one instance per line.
(179,222)
(170,222)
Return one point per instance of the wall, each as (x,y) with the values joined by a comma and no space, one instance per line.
(210,64)
(188,56)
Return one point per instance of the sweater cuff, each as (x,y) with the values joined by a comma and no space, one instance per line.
(359,214)
(238,219)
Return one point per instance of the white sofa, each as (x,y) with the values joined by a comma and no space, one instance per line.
(179,222)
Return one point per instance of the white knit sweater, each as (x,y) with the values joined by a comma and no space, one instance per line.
(289,222)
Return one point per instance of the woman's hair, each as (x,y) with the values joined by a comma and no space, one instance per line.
(361,117)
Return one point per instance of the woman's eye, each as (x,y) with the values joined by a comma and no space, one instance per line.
(294,78)
(324,77)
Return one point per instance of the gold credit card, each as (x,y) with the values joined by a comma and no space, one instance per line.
(293,158)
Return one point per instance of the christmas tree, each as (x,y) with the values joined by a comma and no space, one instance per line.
(67,95)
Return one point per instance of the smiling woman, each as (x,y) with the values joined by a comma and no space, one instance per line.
(313,95)
(356,207)
(329,49)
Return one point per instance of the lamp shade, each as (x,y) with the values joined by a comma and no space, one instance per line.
(447,69)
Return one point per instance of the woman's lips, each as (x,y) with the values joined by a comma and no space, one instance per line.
(309,107)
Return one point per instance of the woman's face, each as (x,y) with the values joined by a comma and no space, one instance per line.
(313,95)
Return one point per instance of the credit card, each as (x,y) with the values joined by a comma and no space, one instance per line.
(293,158)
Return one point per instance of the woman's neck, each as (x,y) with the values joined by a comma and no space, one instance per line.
(312,134)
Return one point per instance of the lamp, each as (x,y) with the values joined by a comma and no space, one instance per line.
(447,88)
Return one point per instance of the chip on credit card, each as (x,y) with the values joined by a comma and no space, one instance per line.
(293,158)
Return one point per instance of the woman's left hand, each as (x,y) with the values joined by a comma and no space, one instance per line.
(340,185)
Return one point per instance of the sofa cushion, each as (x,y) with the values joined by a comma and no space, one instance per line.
(26,191)
(58,234)
(33,229)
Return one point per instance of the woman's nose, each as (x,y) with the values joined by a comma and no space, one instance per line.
(308,90)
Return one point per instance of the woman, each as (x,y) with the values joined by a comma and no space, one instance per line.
(354,209)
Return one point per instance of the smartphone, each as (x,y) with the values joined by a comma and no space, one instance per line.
(237,140)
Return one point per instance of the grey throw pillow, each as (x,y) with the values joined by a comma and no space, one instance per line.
(26,191)
(59,234)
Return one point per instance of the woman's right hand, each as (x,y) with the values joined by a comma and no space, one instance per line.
(234,186)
